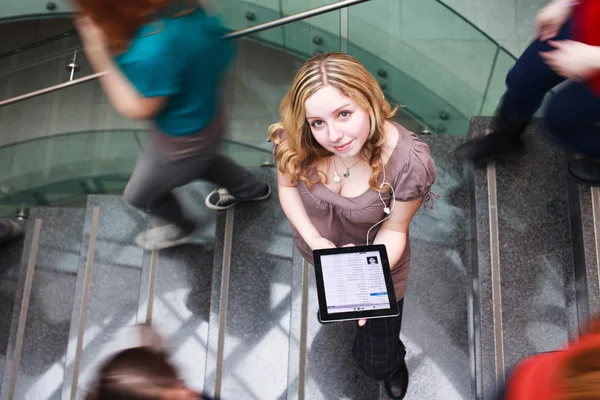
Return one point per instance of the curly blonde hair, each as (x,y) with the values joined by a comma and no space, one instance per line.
(298,155)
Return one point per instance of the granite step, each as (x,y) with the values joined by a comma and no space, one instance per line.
(181,292)
(119,284)
(253,294)
(585,226)
(107,289)
(525,256)
(42,306)
(11,254)
(437,324)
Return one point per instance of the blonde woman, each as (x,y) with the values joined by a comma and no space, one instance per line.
(349,176)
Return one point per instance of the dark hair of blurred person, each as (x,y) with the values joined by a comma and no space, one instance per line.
(139,374)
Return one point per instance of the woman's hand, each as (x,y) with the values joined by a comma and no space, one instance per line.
(322,243)
(573,60)
(361,322)
(551,18)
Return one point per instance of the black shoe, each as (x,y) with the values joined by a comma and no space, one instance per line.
(220,199)
(9,230)
(505,139)
(397,386)
(585,171)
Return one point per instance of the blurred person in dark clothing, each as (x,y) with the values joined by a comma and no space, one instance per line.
(567,48)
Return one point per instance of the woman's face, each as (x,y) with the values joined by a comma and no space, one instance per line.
(337,122)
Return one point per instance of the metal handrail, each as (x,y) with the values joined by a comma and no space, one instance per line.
(97,131)
(233,35)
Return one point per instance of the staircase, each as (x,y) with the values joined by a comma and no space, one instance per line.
(238,305)
(504,266)
(536,251)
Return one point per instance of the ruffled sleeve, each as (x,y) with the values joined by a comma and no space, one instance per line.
(417,175)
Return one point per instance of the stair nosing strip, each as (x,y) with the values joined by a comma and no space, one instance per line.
(495,273)
(303,330)
(87,282)
(224,298)
(33,253)
(595,193)
(152,284)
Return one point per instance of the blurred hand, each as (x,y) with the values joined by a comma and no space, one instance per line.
(551,18)
(573,60)
(92,36)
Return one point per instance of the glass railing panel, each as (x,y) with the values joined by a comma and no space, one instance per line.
(37,74)
(434,50)
(74,109)
(416,99)
(60,169)
(263,73)
(66,157)
(29,54)
(239,15)
(317,34)
(497,85)
(24,9)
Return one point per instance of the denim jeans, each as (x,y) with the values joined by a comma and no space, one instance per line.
(573,114)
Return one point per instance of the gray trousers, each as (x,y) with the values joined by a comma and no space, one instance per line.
(156,174)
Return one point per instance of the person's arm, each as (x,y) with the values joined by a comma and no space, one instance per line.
(120,91)
(552,17)
(295,212)
(394,231)
(573,60)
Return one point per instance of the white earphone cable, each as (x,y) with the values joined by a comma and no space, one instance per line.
(387,210)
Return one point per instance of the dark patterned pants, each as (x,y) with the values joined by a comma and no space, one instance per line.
(377,346)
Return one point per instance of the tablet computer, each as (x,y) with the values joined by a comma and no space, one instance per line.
(354,283)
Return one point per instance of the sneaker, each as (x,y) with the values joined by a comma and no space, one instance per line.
(585,171)
(220,199)
(505,139)
(163,237)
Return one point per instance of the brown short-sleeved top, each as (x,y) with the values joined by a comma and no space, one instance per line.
(343,220)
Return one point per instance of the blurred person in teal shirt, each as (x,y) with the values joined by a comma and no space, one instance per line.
(166,63)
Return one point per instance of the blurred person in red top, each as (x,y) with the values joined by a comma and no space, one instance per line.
(569,374)
(567,48)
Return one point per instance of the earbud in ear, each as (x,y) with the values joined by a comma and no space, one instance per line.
(386,210)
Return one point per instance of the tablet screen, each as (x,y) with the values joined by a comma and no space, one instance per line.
(354,282)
